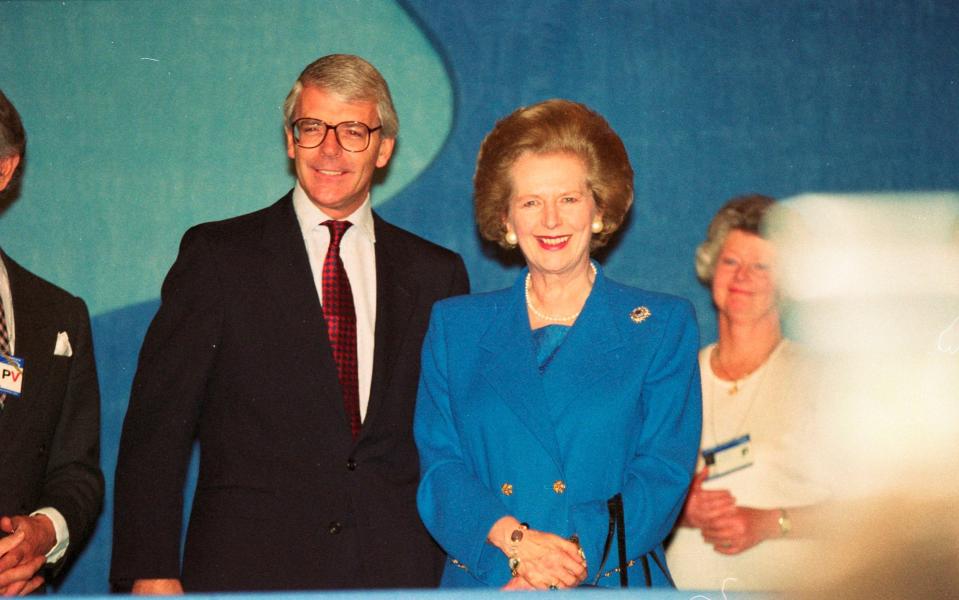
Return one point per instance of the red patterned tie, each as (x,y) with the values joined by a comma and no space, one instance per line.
(340,315)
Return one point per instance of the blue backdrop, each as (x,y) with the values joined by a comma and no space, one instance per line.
(146,117)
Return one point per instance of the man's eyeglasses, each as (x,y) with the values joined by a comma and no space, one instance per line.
(352,136)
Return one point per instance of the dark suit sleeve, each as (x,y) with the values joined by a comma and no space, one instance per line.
(73,482)
(175,361)
(460,280)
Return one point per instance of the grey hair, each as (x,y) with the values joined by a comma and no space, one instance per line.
(13,139)
(745,213)
(352,78)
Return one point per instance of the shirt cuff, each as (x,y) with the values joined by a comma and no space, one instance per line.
(62,532)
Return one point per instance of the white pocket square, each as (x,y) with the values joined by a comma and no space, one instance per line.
(63,345)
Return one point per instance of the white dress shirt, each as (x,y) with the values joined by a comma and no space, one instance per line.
(359,260)
(59,523)
(6,296)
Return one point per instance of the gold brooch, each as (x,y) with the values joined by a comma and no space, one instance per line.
(639,314)
(507,489)
(559,487)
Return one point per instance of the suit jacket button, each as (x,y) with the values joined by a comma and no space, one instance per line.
(334,527)
(351,465)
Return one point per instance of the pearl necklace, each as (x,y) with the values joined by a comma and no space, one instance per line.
(543,316)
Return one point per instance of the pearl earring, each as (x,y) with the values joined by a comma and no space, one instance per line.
(511,238)
(597,226)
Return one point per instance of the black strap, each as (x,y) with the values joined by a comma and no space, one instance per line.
(609,540)
(646,574)
(616,507)
(617,525)
(662,568)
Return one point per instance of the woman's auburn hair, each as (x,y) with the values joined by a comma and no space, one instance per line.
(550,127)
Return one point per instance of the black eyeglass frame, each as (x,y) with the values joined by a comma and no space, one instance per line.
(336,133)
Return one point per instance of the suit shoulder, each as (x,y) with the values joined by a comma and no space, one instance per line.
(414,245)
(26,283)
(236,228)
(469,306)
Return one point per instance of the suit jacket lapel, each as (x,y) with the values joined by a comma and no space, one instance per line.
(290,279)
(585,355)
(395,301)
(510,369)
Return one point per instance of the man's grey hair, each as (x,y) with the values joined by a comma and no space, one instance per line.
(352,78)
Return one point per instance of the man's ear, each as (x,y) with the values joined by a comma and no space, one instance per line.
(290,144)
(8,164)
(384,152)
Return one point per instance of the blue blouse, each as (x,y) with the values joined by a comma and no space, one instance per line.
(546,341)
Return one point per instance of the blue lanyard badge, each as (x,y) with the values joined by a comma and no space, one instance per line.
(11,375)
(728,456)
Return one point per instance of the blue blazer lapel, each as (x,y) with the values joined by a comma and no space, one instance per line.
(585,355)
(510,369)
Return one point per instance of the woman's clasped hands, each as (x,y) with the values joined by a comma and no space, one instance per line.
(730,528)
(538,559)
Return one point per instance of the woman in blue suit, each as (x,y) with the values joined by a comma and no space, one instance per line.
(539,402)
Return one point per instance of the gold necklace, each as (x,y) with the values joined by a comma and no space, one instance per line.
(719,360)
(735,389)
(765,367)
(543,316)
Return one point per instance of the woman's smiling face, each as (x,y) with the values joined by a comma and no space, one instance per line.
(551,211)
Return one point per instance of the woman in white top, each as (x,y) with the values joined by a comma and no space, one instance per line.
(747,505)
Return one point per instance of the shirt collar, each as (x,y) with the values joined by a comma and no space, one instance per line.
(310,216)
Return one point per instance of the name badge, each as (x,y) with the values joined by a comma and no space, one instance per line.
(11,375)
(727,457)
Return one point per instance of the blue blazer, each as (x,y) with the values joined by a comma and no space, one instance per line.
(617,410)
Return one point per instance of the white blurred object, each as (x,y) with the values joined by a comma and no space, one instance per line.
(872,282)
(862,245)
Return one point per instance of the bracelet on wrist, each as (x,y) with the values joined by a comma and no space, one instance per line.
(517,535)
(579,548)
(515,538)
(513,566)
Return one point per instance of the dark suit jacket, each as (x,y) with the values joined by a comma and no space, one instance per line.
(238,357)
(50,434)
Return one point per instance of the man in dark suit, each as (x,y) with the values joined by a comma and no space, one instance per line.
(51,487)
(288,342)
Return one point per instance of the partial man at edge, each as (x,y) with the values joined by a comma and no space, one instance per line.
(51,486)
